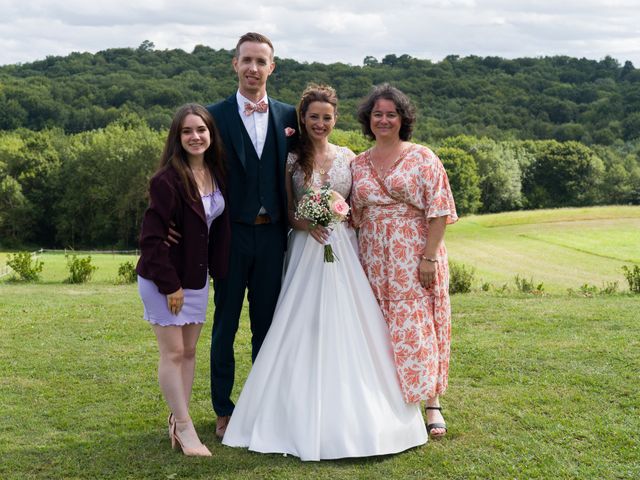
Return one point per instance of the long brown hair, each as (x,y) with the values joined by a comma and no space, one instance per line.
(304,147)
(175,156)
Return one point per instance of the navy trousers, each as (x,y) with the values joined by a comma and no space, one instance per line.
(255,264)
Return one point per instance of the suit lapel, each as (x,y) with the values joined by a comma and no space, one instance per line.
(235,127)
(281,139)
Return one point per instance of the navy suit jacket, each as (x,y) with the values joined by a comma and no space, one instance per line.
(230,125)
(184,264)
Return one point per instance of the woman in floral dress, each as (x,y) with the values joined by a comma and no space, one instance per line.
(401,203)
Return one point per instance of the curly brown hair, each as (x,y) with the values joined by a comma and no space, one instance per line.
(304,148)
(403,104)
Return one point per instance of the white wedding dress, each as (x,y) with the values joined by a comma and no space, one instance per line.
(324,384)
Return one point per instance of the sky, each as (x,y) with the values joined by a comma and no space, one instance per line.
(328,31)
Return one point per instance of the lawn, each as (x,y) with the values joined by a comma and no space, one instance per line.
(540,386)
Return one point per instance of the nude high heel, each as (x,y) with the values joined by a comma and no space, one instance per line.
(200,451)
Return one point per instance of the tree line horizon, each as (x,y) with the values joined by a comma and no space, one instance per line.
(81,134)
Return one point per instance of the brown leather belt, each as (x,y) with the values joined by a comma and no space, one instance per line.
(262,219)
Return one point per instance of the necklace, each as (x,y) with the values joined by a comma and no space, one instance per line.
(202,178)
(326,164)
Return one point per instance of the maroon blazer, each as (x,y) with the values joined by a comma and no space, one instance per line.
(200,249)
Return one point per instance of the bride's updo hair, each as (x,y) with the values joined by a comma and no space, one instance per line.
(304,148)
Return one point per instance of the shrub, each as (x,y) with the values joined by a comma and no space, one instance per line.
(608,288)
(460,278)
(127,273)
(633,277)
(589,290)
(80,269)
(528,286)
(24,265)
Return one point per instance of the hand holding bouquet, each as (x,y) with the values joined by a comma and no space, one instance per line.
(323,207)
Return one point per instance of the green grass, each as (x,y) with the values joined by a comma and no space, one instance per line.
(563,248)
(540,386)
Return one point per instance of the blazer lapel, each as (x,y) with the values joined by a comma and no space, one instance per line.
(235,126)
(195,205)
(281,139)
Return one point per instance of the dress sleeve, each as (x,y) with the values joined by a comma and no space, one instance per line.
(437,196)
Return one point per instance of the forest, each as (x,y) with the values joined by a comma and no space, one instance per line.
(80,135)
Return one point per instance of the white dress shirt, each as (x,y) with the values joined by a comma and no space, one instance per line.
(256,123)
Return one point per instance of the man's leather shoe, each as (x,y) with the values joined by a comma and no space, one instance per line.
(221,425)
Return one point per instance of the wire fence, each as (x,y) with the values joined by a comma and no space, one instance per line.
(90,252)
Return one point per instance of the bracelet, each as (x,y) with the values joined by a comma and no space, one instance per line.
(430,260)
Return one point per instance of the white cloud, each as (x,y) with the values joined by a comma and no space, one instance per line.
(328,31)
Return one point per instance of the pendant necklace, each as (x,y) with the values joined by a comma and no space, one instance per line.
(323,170)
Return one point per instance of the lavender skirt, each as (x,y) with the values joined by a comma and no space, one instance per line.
(157,312)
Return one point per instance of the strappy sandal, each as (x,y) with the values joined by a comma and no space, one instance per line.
(171,421)
(431,426)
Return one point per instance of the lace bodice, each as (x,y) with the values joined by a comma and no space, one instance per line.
(338,176)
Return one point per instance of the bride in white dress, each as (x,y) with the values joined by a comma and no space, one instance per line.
(324,384)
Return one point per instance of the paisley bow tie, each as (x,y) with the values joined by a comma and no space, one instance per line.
(260,107)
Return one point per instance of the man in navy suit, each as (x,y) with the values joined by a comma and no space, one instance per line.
(257,132)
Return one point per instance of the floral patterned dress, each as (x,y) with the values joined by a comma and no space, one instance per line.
(392,215)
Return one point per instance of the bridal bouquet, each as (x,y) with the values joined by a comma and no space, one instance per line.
(323,207)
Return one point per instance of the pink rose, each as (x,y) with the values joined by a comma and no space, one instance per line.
(340,207)
(288,131)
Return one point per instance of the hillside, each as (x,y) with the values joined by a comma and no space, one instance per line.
(560,98)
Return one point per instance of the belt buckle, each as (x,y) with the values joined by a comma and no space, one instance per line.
(262,219)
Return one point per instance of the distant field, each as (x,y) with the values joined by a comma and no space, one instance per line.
(564,248)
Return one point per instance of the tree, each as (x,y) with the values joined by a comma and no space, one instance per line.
(146,46)
(103,195)
(463,177)
(499,171)
(562,174)
(12,206)
(370,61)
(32,160)
(631,126)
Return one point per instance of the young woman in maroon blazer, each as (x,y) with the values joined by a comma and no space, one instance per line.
(187,193)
